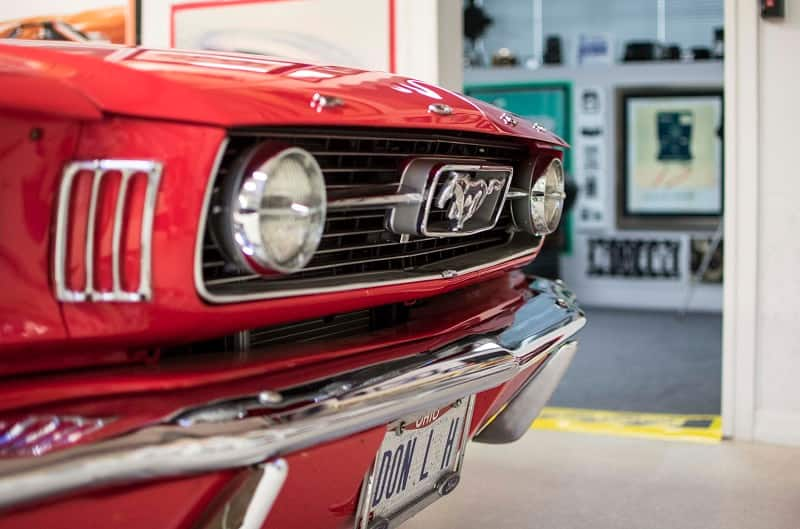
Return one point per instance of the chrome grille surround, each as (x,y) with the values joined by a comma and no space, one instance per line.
(363,180)
(127,169)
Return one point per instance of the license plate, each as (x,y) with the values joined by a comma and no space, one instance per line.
(418,462)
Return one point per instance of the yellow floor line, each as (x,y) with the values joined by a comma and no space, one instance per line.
(694,428)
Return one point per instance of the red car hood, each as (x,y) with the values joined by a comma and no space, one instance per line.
(229,90)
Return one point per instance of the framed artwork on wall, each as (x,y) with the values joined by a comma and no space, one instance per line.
(669,158)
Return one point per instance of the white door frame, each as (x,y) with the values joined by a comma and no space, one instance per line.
(739,321)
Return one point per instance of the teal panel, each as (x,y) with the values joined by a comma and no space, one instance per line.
(549,104)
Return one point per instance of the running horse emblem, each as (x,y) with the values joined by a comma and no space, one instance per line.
(465,196)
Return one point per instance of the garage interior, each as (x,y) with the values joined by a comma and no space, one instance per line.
(682,406)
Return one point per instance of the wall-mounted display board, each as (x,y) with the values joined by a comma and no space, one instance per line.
(318,31)
(670,158)
(298,29)
(635,258)
(644,265)
(589,151)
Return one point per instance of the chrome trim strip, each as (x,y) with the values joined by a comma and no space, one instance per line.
(514,193)
(356,283)
(127,168)
(249,505)
(201,223)
(154,178)
(272,479)
(302,416)
(516,418)
(91,222)
(116,237)
(63,293)
(380,201)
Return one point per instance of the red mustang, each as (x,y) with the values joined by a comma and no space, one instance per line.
(240,291)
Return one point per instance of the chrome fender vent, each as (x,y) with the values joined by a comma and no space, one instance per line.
(93,219)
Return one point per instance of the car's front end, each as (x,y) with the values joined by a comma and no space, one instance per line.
(243,291)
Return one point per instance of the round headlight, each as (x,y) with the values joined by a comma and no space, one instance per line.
(541,212)
(275,210)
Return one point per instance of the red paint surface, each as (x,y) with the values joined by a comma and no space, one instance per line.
(392,36)
(485,307)
(167,504)
(207,87)
(177,313)
(83,106)
(320,491)
(30,173)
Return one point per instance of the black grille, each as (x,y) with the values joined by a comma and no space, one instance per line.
(356,242)
(341,325)
(349,324)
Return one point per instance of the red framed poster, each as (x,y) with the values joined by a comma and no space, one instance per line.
(299,29)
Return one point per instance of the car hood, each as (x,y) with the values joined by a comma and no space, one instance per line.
(233,90)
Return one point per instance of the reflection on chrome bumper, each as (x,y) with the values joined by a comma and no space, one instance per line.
(221,435)
(516,418)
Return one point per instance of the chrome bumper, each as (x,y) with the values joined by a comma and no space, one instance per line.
(220,435)
(516,418)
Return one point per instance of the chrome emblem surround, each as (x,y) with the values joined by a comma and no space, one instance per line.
(509,119)
(465,196)
(440,108)
(472,196)
(538,128)
(320,102)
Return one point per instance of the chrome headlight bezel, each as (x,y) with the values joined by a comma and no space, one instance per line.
(240,209)
(540,213)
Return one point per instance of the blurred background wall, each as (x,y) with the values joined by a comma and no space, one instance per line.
(683,22)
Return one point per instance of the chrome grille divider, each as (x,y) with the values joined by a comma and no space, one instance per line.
(379,201)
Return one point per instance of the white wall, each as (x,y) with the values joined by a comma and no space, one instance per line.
(686,22)
(622,292)
(761,382)
(429,41)
(428,33)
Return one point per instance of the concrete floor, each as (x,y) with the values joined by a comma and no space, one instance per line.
(645,361)
(556,480)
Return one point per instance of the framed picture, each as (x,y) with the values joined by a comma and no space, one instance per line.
(669,158)
(300,29)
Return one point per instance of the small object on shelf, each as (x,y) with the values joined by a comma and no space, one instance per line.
(476,22)
(590,101)
(594,49)
(641,51)
(672,53)
(772,9)
(701,53)
(552,50)
(718,49)
(504,57)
